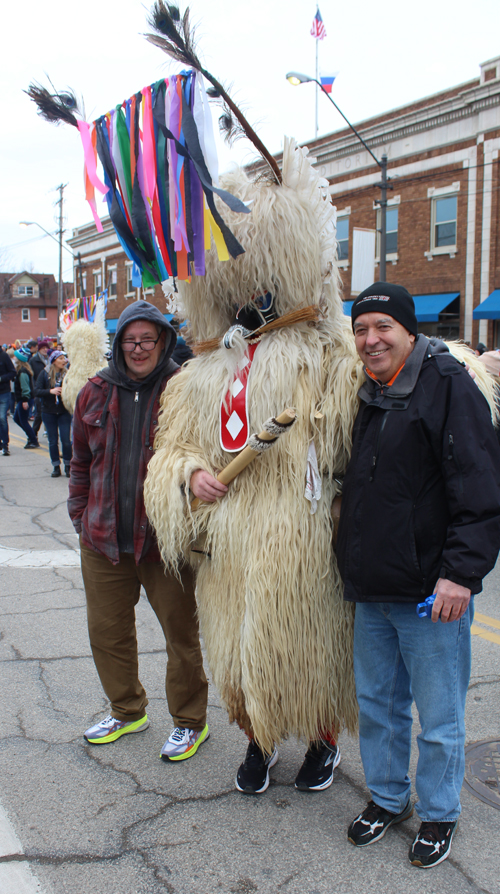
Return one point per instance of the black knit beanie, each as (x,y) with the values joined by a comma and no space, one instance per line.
(388,298)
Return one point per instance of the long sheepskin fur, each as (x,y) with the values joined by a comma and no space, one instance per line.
(277,632)
(86,345)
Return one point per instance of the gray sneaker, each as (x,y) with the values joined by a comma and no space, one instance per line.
(183,743)
(110,729)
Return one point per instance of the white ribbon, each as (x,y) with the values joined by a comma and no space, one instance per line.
(313,480)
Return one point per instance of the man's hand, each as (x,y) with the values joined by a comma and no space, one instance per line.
(25,404)
(451,601)
(206,487)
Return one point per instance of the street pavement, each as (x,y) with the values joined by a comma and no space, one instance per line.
(115,818)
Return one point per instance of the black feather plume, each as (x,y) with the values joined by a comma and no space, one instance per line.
(55,107)
(175,37)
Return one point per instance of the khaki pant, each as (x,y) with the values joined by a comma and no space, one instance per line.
(112,593)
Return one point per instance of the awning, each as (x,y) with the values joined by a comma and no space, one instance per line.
(489,309)
(428,307)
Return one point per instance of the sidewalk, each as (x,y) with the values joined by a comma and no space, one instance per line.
(116,818)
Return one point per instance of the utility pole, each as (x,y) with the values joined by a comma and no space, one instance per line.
(59,202)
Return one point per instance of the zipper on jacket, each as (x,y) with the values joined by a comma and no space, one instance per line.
(377,446)
(450,445)
(136,398)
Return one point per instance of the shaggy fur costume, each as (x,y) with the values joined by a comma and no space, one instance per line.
(86,345)
(277,632)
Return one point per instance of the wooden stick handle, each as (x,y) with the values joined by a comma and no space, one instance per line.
(247,455)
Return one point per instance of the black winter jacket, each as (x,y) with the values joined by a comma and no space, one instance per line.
(7,372)
(51,403)
(421,495)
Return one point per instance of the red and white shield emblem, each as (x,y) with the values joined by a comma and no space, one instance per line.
(234,424)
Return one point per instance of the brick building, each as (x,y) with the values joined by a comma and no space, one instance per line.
(28,305)
(101,263)
(443,234)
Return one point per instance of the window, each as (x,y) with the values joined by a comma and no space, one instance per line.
(112,282)
(444,222)
(25,315)
(130,287)
(391,223)
(42,313)
(97,282)
(25,290)
(342,238)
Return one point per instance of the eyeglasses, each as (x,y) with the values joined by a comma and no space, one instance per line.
(147,345)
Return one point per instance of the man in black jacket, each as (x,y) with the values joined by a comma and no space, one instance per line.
(420,517)
(7,375)
(39,361)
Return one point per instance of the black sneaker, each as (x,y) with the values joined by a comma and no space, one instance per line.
(432,844)
(6,451)
(316,773)
(372,824)
(56,472)
(252,777)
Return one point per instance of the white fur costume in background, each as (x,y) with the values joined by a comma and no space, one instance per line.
(277,632)
(86,345)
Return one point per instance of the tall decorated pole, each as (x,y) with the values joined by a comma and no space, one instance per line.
(319,33)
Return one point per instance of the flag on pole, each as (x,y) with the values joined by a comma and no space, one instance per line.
(318,28)
(327,81)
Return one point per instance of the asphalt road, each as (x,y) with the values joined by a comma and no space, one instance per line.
(115,818)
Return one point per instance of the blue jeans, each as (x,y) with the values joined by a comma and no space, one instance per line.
(4,426)
(58,426)
(399,657)
(21,418)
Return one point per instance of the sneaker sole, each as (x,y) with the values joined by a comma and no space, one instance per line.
(251,791)
(137,727)
(394,822)
(420,865)
(189,753)
(320,788)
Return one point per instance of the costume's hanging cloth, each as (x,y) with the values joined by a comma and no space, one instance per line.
(159,160)
(83,309)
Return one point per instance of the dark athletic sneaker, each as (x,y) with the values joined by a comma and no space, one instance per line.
(316,773)
(432,844)
(372,824)
(252,777)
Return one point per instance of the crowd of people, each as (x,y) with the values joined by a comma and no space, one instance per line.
(31,376)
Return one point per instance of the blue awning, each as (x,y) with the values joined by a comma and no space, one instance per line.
(428,307)
(489,309)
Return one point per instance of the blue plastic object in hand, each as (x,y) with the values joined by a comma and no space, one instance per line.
(424,609)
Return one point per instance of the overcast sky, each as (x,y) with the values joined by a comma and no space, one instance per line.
(387,54)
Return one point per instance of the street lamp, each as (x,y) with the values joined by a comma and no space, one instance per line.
(33,223)
(295,78)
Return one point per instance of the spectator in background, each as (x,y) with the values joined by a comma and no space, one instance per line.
(39,361)
(24,393)
(55,416)
(10,352)
(480,349)
(7,375)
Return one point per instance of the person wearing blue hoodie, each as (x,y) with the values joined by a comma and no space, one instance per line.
(115,418)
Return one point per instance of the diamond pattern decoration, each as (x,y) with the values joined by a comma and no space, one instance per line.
(236,387)
(234,425)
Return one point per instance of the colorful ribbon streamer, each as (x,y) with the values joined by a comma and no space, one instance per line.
(159,160)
